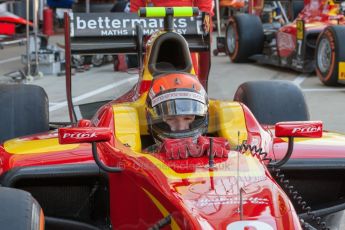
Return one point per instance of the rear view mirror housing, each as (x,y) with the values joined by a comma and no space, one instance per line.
(292,129)
(70,135)
(310,129)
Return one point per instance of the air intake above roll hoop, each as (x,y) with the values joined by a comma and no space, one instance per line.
(161,12)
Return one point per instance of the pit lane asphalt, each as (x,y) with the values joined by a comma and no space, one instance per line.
(325,103)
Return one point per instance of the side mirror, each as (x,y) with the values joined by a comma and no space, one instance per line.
(292,129)
(311,129)
(91,135)
(72,135)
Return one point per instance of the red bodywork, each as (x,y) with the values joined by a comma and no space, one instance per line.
(197,197)
(316,15)
(150,186)
(8,21)
(238,193)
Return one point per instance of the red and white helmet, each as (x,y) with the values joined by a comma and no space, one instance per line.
(176,94)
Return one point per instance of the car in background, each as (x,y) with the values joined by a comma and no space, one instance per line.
(311,42)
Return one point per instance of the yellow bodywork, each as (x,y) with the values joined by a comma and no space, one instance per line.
(20,146)
(226,119)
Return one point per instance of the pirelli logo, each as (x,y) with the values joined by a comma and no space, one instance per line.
(341,72)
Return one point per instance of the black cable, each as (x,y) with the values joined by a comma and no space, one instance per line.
(299,199)
(100,163)
(256,151)
(161,223)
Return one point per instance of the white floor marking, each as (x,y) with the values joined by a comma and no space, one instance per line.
(9,60)
(92,93)
(299,79)
(324,90)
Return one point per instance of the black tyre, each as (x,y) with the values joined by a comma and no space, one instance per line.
(24,110)
(215,52)
(19,210)
(273,101)
(330,50)
(244,37)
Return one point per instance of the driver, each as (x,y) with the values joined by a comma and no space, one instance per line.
(177,116)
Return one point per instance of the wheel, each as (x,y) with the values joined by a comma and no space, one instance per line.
(330,51)
(215,52)
(273,101)
(244,37)
(24,110)
(20,211)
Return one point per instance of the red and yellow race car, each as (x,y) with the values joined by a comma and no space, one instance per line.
(311,41)
(282,172)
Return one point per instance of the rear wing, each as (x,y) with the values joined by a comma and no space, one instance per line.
(111,33)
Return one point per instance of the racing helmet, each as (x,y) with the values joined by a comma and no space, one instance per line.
(176,94)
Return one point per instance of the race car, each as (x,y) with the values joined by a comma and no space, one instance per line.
(312,41)
(282,172)
(9,21)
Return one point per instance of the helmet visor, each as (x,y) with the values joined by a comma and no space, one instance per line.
(181,107)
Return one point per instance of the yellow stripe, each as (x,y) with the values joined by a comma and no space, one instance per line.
(162,209)
(19,146)
(224,169)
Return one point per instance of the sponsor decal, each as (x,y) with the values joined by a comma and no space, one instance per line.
(123,24)
(300,29)
(285,41)
(310,129)
(177,95)
(341,72)
(79,135)
(229,200)
(249,224)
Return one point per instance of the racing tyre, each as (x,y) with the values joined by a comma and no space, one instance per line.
(19,210)
(273,101)
(244,37)
(24,110)
(330,55)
